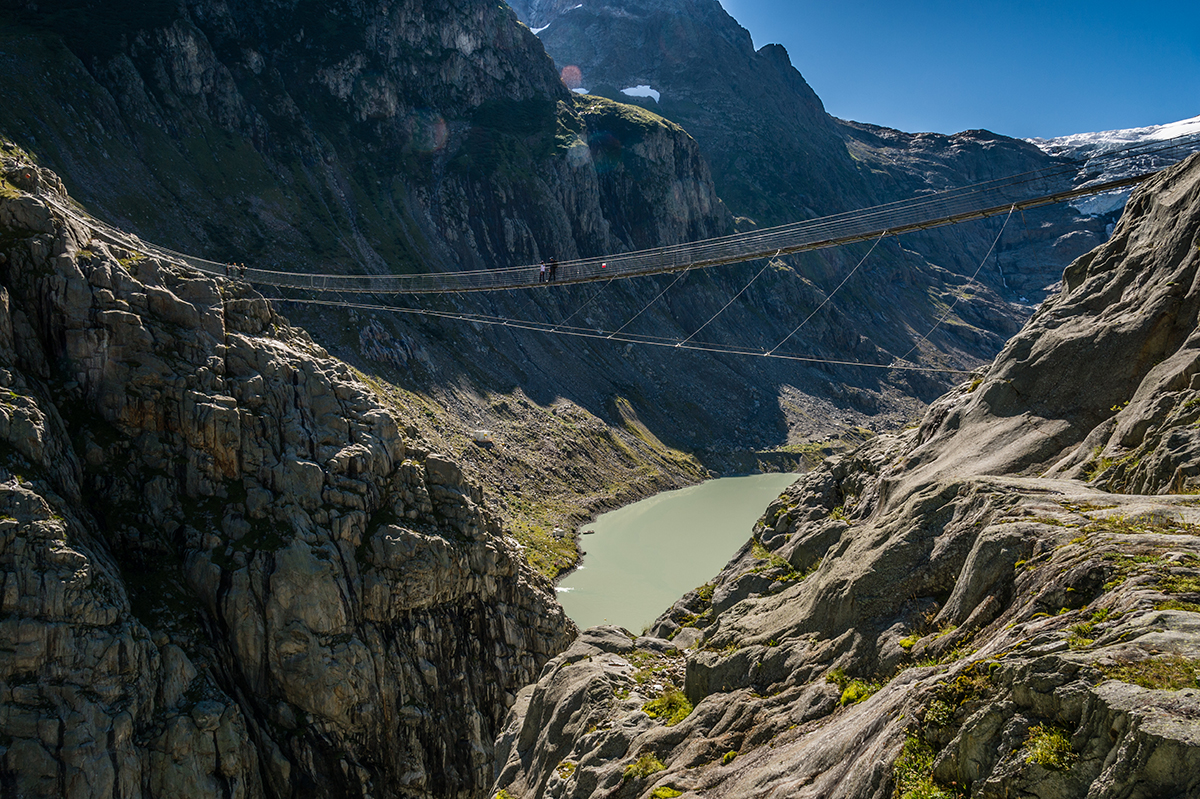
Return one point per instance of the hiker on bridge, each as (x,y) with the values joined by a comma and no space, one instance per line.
(553,267)
(542,273)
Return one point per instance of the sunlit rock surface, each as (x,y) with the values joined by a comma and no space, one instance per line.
(225,568)
(943,610)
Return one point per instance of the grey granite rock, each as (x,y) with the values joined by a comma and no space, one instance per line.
(223,569)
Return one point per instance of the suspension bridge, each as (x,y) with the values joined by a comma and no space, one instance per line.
(1004,196)
(978,201)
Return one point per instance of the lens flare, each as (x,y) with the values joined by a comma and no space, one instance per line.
(429,131)
(572,76)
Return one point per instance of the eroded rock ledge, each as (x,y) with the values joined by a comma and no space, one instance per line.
(225,567)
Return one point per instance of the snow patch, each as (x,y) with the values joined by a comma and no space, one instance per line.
(641,91)
(1092,144)
(580,90)
(538,31)
(1084,147)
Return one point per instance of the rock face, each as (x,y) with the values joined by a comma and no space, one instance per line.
(777,156)
(395,137)
(225,567)
(351,136)
(942,612)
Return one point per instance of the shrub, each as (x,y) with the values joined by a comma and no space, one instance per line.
(672,707)
(644,766)
(1049,746)
(939,713)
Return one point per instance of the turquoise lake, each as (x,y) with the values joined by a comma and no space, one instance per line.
(645,556)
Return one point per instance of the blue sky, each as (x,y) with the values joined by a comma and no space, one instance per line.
(1019,68)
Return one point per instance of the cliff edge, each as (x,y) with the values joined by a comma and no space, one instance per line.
(226,568)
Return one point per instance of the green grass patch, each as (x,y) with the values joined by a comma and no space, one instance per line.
(971,684)
(1176,604)
(665,792)
(566,769)
(643,767)
(1125,566)
(913,772)
(1085,507)
(760,552)
(1140,525)
(1180,584)
(1082,635)
(1169,673)
(1049,746)
(854,690)
(728,757)
(672,707)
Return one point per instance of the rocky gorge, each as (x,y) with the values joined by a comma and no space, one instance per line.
(231,567)
(246,554)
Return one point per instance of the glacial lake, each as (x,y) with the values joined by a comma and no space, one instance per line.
(645,556)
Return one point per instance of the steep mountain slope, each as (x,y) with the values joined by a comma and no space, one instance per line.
(927,617)
(228,566)
(1087,148)
(777,156)
(347,136)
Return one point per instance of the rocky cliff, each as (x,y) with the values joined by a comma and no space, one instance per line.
(777,156)
(365,137)
(356,136)
(1003,601)
(227,565)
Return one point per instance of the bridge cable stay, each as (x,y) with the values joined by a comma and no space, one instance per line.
(731,300)
(647,306)
(545,327)
(829,296)
(959,297)
(580,309)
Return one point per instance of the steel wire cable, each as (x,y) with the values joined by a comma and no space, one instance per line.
(959,297)
(830,296)
(589,301)
(627,338)
(647,306)
(731,301)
